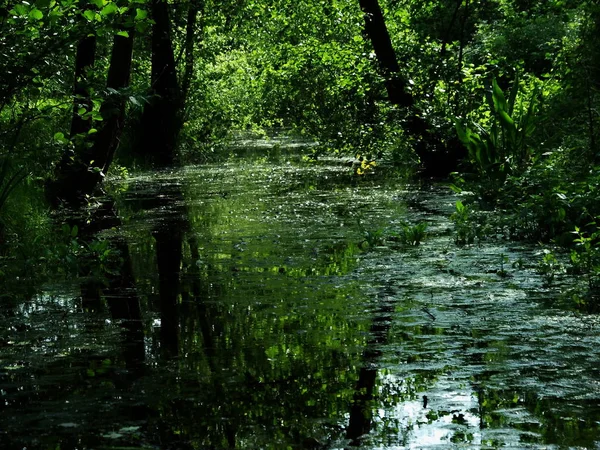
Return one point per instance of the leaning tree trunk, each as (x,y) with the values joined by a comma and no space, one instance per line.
(429,145)
(161,121)
(79,175)
(377,32)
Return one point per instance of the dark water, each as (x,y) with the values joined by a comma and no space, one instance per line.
(258,316)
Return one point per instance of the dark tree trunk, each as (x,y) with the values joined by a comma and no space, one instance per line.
(161,121)
(190,34)
(84,60)
(80,175)
(113,108)
(447,37)
(437,159)
(377,32)
(86,56)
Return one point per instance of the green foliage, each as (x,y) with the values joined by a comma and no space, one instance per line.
(549,267)
(411,235)
(585,257)
(502,148)
(463,227)
(372,237)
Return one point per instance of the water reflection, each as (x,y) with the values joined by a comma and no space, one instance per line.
(250,315)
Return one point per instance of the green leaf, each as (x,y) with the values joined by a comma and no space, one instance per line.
(123,33)
(513,95)
(462,132)
(109,9)
(140,14)
(98,3)
(21,9)
(498,97)
(89,15)
(506,119)
(59,136)
(36,14)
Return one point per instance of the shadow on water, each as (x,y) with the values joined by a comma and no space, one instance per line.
(361,410)
(251,314)
(54,363)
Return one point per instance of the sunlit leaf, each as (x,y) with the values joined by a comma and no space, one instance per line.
(109,9)
(36,14)
(89,15)
(140,14)
(21,9)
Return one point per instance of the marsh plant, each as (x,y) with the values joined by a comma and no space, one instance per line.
(413,234)
(464,230)
(549,267)
(585,257)
(501,147)
(374,238)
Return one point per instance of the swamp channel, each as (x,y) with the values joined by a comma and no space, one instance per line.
(271,303)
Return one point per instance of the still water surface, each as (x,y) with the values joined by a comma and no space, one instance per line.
(258,316)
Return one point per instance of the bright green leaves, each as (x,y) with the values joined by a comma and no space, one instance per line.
(481,147)
(89,15)
(501,147)
(26,10)
(20,10)
(36,14)
(109,9)
(60,138)
(141,20)
(498,97)
(106,12)
(140,14)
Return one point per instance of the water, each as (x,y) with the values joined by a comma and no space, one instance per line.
(256,316)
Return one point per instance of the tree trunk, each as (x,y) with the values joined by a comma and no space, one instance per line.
(84,60)
(190,34)
(113,108)
(377,32)
(79,176)
(86,56)
(161,121)
(435,157)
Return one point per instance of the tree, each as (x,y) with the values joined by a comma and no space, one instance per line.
(161,121)
(80,175)
(429,145)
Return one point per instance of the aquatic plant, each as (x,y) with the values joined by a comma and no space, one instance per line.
(373,238)
(413,234)
(364,165)
(549,267)
(501,148)
(585,257)
(464,232)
